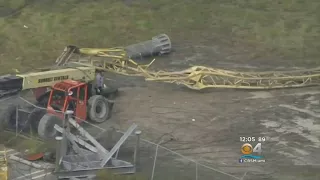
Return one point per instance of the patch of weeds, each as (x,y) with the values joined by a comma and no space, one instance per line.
(105,174)
(25,144)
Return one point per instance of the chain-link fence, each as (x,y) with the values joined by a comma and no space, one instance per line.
(21,141)
(154,161)
(157,162)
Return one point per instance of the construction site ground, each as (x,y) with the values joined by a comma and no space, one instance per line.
(206,125)
(19,171)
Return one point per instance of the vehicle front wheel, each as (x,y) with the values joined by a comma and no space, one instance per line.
(98,109)
(46,128)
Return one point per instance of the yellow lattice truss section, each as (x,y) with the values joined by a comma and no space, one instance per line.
(196,77)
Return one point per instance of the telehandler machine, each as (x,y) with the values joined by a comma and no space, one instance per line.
(64,94)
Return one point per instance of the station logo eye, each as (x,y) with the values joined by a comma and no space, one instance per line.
(246,148)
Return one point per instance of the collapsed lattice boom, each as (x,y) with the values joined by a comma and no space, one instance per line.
(197,77)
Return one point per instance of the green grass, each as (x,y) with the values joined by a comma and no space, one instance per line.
(22,143)
(12,5)
(289,28)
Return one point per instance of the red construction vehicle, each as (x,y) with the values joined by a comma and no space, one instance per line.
(79,96)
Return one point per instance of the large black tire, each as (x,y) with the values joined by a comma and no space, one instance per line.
(34,118)
(98,109)
(9,119)
(46,128)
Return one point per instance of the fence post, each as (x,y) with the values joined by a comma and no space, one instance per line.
(58,152)
(17,119)
(196,170)
(136,157)
(154,162)
(69,114)
(66,128)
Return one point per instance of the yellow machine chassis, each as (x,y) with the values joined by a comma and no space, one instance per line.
(50,77)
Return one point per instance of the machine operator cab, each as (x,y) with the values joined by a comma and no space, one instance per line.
(78,97)
(81,98)
(69,95)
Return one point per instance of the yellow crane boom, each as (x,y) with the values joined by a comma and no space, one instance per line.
(196,77)
(81,63)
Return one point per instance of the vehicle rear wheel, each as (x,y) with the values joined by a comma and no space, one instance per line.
(98,109)
(35,117)
(46,128)
(10,119)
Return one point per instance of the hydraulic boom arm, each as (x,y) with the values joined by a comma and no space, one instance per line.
(11,84)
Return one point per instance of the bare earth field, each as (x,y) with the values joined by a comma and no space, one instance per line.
(206,126)
(220,118)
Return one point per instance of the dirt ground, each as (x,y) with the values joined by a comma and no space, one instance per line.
(206,126)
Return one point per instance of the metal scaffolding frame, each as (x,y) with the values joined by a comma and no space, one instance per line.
(83,158)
